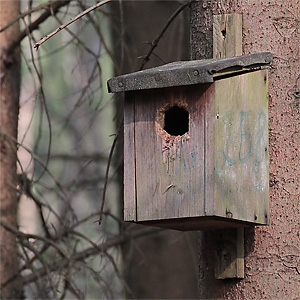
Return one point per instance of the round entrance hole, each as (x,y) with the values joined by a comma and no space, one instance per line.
(176,121)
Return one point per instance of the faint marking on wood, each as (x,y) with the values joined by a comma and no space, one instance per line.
(241,146)
(129,161)
(229,250)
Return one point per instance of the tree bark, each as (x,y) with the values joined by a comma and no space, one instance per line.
(272,253)
(9,91)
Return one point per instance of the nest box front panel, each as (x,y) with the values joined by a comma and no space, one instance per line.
(240,181)
(169,128)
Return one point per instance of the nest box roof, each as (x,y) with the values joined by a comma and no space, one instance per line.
(188,72)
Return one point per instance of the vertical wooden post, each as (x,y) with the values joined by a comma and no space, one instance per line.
(229,244)
(227,35)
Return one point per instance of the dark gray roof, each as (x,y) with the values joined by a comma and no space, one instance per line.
(187,72)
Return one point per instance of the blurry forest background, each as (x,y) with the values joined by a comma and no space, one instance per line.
(70,155)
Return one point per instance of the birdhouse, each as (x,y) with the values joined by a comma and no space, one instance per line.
(196,143)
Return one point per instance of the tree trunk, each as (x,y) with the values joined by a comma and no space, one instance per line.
(163,266)
(272,253)
(9,91)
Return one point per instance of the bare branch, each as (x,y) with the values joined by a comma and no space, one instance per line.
(37,159)
(62,263)
(123,281)
(52,9)
(26,13)
(107,171)
(47,37)
(78,157)
(27,236)
(155,42)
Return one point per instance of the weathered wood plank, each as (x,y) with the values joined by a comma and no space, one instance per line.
(241,135)
(129,160)
(170,170)
(229,251)
(227,35)
(187,72)
(209,146)
(229,254)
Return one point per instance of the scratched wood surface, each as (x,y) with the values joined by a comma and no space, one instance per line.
(169,170)
(129,160)
(241,188)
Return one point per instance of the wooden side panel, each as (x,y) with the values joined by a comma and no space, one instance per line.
(169,169)
(241,157)
(129,160)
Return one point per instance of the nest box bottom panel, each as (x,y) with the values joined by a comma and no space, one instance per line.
(197,156)
(195,223)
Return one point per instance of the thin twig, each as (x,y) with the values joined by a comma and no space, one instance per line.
(155,42)
(26,13)
(78,157)
(26,187)
(123,281)
(53,9)
(98,31)
(47,37)
(27,236)
(107,172)
(79,256)
(43,98)
(37,159)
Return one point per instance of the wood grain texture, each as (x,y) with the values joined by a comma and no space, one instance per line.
(227,35)
(229,253)
(209,146)
(129,160)
(169,169)
(241,145)
(227,42)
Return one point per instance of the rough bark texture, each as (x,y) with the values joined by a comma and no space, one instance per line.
(201,33)
(9,91)
(162,266)
(272,262)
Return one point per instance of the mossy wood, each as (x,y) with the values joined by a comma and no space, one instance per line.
(215,174)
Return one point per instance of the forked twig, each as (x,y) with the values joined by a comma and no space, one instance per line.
(47,37)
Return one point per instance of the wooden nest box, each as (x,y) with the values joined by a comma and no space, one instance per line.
(196,143)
